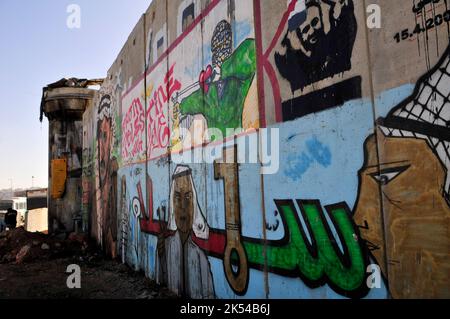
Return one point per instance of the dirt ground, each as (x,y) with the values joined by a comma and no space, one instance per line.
(103,279)
(33,266)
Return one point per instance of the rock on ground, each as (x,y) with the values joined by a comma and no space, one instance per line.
(23,254)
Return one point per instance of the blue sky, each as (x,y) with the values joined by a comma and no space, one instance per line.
(37,48)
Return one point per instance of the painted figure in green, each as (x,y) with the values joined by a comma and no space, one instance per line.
(224,85)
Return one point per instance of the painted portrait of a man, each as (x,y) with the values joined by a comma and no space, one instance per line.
(107,178)
(227,86)
(318,43)
(181,264)
(410,237)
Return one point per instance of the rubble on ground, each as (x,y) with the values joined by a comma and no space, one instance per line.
(34,265)
(19,246)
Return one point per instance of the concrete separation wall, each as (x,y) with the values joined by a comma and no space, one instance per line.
(347,190)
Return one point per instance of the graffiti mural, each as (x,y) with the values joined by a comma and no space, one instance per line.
(187,268)
(133,126)
(428,16)
(124,221)
(158,123)
(180,263)
(414,142)
(107,177)
(223,88)
(354,197)
(227,170)
(308,60)
(308,251)
(295,254)
(155,117)
(318,43)
(317,261)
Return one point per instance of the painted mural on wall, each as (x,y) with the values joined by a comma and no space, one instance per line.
(223,88)
(318,43)
(310,254)
(152,119)
(88,168)
(192,97)
(66,141)
(310,230)
(428,16)
(413,176)
(308,58)
(181,264)
(224,95)
(107,177)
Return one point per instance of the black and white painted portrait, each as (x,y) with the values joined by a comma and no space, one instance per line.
(318,43)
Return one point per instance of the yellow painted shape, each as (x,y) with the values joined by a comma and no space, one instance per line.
(59,177)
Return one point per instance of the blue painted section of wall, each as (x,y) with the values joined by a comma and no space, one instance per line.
(320,157)
(317,167)
(390,98)
(299,163)
(342,131)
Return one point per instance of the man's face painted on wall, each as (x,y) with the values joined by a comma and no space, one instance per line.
(310,32)
(416,214)
(104,148)
(183,203)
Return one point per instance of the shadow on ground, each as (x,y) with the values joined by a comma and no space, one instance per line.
(33,266)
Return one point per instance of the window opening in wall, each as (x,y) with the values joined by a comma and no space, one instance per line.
(160,46)
(150,51)
(188,16)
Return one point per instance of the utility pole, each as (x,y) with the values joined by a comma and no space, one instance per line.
(11,183)
(32,182)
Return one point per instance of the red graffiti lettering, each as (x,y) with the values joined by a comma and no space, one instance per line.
(158,131)
(133,127)
(157,119)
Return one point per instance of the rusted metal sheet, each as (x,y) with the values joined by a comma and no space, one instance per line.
(59,177)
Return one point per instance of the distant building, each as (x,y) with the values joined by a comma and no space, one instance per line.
(17,203)
(4,205)
(37,214)
(20,205)
(32,211)
(36,198)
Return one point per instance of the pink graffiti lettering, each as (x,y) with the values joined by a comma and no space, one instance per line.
(158,131)
(158,124)
(133,127)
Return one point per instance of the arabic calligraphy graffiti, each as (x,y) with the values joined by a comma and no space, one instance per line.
(319,260)
(311,254)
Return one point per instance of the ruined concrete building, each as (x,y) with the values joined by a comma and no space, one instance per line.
(64,103)
(350,198)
